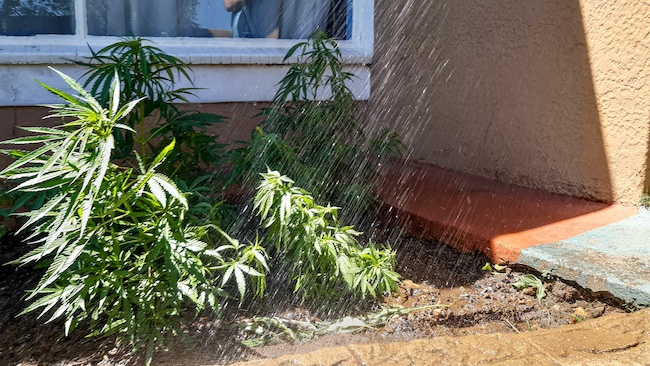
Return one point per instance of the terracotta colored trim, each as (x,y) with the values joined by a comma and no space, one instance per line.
(471,213)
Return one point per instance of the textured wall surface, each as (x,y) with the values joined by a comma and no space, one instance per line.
(618,37)
(544,93)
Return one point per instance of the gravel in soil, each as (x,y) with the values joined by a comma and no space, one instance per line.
(477,302)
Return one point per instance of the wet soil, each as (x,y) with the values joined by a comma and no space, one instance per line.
(476,302)
(613,340)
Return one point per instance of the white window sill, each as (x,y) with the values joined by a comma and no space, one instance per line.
(58,50)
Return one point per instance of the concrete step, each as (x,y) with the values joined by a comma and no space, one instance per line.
(592,243)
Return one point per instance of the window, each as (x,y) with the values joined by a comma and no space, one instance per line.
(30,17)
(287,19)
(242,63)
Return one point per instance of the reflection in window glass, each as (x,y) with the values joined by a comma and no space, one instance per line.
(149,18)
(31,17)
(291,19)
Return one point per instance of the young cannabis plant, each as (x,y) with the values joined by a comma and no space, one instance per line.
(310,132)
(321,256)
(147,72)
(121,256)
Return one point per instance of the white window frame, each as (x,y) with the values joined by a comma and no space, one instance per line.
(226,69)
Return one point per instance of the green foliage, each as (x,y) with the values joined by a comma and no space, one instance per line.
(321,256)
(645,199)
(310,133)
(120,253)
(493,268)
(11,202)
(249,260)
(147,72)
(530,280)
(128,245)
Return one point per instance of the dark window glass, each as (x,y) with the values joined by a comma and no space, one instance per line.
(291,19)
(32,17)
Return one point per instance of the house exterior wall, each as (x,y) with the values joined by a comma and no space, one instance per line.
(239,123)
(548,93)
(552,94)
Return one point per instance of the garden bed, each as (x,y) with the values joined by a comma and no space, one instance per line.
(474,302)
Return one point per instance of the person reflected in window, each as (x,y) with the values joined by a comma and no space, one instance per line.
(286,19)
(254,18)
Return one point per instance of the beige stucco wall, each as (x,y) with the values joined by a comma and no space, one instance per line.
(545,93)
(618,39)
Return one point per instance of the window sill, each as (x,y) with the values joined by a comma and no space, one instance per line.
(58,50)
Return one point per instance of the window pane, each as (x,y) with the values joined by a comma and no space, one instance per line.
(149,18)
(218,18)
(289,19)
(31,17)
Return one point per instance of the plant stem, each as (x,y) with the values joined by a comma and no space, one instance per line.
(142,138)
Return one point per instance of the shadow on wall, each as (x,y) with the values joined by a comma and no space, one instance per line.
(240,118)
(13,117)
(499,89)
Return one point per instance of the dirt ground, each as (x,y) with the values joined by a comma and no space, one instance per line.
(620,339)
(474,302)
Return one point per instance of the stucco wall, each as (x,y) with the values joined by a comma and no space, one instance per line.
(544,93)
(618,37)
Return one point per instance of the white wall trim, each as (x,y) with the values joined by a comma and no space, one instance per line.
(217,83)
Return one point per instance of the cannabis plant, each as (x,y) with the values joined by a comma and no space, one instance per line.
(120,254)
(310,133)
(147,72)
(322,256)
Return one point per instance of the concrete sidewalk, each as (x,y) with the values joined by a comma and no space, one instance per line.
(605,248)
